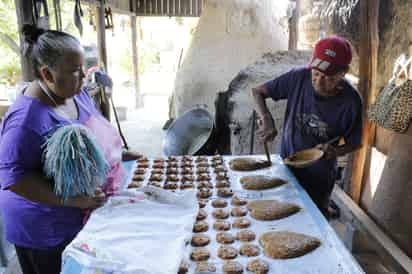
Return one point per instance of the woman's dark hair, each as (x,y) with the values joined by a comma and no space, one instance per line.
(47,47)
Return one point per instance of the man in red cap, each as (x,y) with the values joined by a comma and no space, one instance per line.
(322,106)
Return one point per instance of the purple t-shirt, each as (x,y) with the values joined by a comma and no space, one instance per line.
(23,132)
(311,119)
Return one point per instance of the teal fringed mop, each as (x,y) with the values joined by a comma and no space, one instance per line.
(74,161)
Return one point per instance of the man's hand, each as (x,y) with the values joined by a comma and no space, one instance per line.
(86,202)
(128,155)
(330,151)
(267,131)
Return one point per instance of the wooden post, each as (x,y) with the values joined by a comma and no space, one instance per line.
(101,36)
(368,52)
(139,99)
(293,27)
(24,12)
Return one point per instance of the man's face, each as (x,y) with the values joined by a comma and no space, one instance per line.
(326,85)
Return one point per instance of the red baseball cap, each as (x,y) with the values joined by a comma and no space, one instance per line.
(331,54)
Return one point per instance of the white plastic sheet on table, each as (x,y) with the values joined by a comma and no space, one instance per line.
(134,234)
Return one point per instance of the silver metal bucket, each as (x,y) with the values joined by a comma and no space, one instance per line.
(188,133)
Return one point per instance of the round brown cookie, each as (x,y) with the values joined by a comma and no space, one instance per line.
(187,165)
(220,213)
(224,192)
(134,184)
(222,176)
(187,158)
(204,193)
(172,164)
(203,177)
(201,159)
(158,171)
(172,159)
(156,177)
(202,164)
(188,178)
(172,178)
(245,235)
(222,183)
(217,163)
(258,266)
(232,267)
(200,226)
(221,225)
(200,239)
(205,267)
(202,203)
(238,201)
(227,252)
(172,170)
(186,171)
(238,212)
(225,238)
(220,168)
(143,165)
(158,165)
(159,160)
(187,185)
(170,185)
(241,223)
(204,184)
(202,170)
(201,215)
(184,267)
(219,203)
(200,254)
(138,178)
(249,250)
(140,171)
(155,183)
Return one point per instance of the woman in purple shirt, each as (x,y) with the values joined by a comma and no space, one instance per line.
(36,221)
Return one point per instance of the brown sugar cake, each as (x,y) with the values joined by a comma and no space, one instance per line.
(172,170)
(260,182)
(188,178)
(186,170)
(202,164)
(203,177)
(238,212)
(158,165)
(249,250)
(200,226)
(232,267)
(187,165)
(157,171)
(138,178)
(170,185)
(201,215)
(241,223)
(221,225)
(134,184)
(201,159)
(204,184)
(220,168)
(205,267)
(156,177)
(224,192)
(222,184)
(225,238)
(172,178)
(204,193)
(258,266)
(220,213)
(140,171)
(172,164)
(219,203)
(159,160)
(245,235)
(199,254)
(286,244)
(222,176)
(200,239)
(248,164)
(268,210)
(226,252)
(202,170)
(238,201)
(187,185)
(203,203)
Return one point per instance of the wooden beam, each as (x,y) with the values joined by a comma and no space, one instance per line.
(293,27)
(368,52)
(101,36)
(388,249)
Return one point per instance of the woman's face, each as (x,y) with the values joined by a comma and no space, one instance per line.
(69,74)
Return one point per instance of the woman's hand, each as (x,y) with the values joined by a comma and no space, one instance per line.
(87,202)
(128,155)
(267,131)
